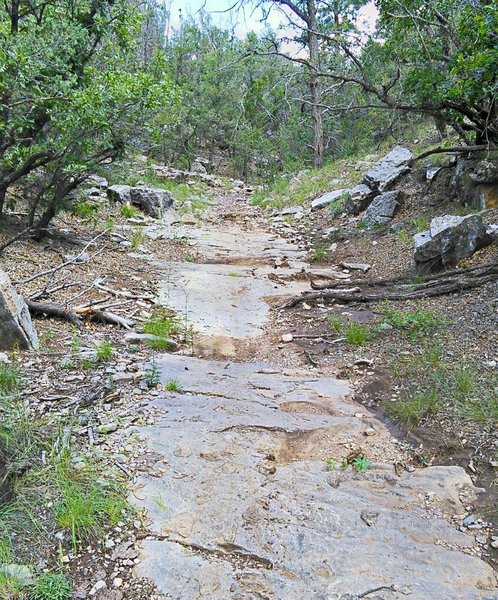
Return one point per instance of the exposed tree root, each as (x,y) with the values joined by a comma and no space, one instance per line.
(398,288)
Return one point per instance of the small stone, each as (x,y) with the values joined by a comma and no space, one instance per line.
(304,305)
(98,586)
(370,431)
(469,520)
(188,219)
(107,428)
(117,582)
(287,337)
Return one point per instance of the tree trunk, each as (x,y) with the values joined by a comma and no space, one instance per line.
(315,85)
(3,193)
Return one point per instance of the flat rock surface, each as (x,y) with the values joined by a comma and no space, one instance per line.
(242,503)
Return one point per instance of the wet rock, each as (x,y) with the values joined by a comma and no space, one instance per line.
(385,173)
(382,209)
(359,198)
(449,240)
(16,327)
(337,196)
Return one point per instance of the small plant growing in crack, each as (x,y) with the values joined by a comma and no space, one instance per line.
(361,464)
(173,385)
(152,375)
(331,464)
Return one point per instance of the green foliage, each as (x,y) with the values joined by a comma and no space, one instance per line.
(319,253)
(331,465)
(412,409)
(85,208)
(152,374)
(415,322)
(173,385)
(138,237)
(104,351)
(356,334)
(361,464)
(129,211)
(9,379)
(162,325)
(51,586)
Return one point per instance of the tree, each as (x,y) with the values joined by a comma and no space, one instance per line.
(70,92)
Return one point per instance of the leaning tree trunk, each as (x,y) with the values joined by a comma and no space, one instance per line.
(315,86)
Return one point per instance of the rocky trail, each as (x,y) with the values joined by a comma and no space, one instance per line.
(269,481)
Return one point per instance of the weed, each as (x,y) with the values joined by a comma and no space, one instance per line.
(420,224)
(104,351)
(133,348)
(356,334)
(85,208)
(109,225)
(331,464)
(404,235)
(173,385)
(361,464)
(51,586)
(412,409)
(14,582)
(319,253)
(152,374)
(9,379)
(67,363)
(75,343)
(233,274)
(418,321)
(162,325)
(361,225)
(87,363)
(137,238)
(86,505)
(336,324)
(129,211)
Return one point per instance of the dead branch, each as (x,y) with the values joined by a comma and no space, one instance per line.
(54,310)
(14,239)
(454,150)
(75,315)
(73,261)
(445,283)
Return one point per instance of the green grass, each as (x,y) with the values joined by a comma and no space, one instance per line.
(85,208)
(129,211)
(404,235)
(416,322)
(429,383)
(233,274)
(51,586)
(361,464)
(173,385)
(420,224)
(356,334)
(9,378)
(313,183)
(319,253)
(104,351)
(162,325)
(412,409)
(336,324)
(138,237)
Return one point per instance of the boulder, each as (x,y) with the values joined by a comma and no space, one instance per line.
(385,173)
(152,201)
(198,168)
(475,182)
(382,209)
(329,198)
(359,198)
(449,240)
(16,328)
(119,193)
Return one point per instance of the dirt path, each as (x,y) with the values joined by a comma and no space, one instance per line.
(243,503)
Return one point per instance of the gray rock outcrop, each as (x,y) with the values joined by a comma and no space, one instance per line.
(152,201)
(382,209)
(119,193)
(385,173)
(449,240)
(359,198)
(16,328)
(329,198)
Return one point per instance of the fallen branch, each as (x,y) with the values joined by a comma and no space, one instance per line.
(444,284)
(74,315)
(14,239)
(53,310)
(65,264)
